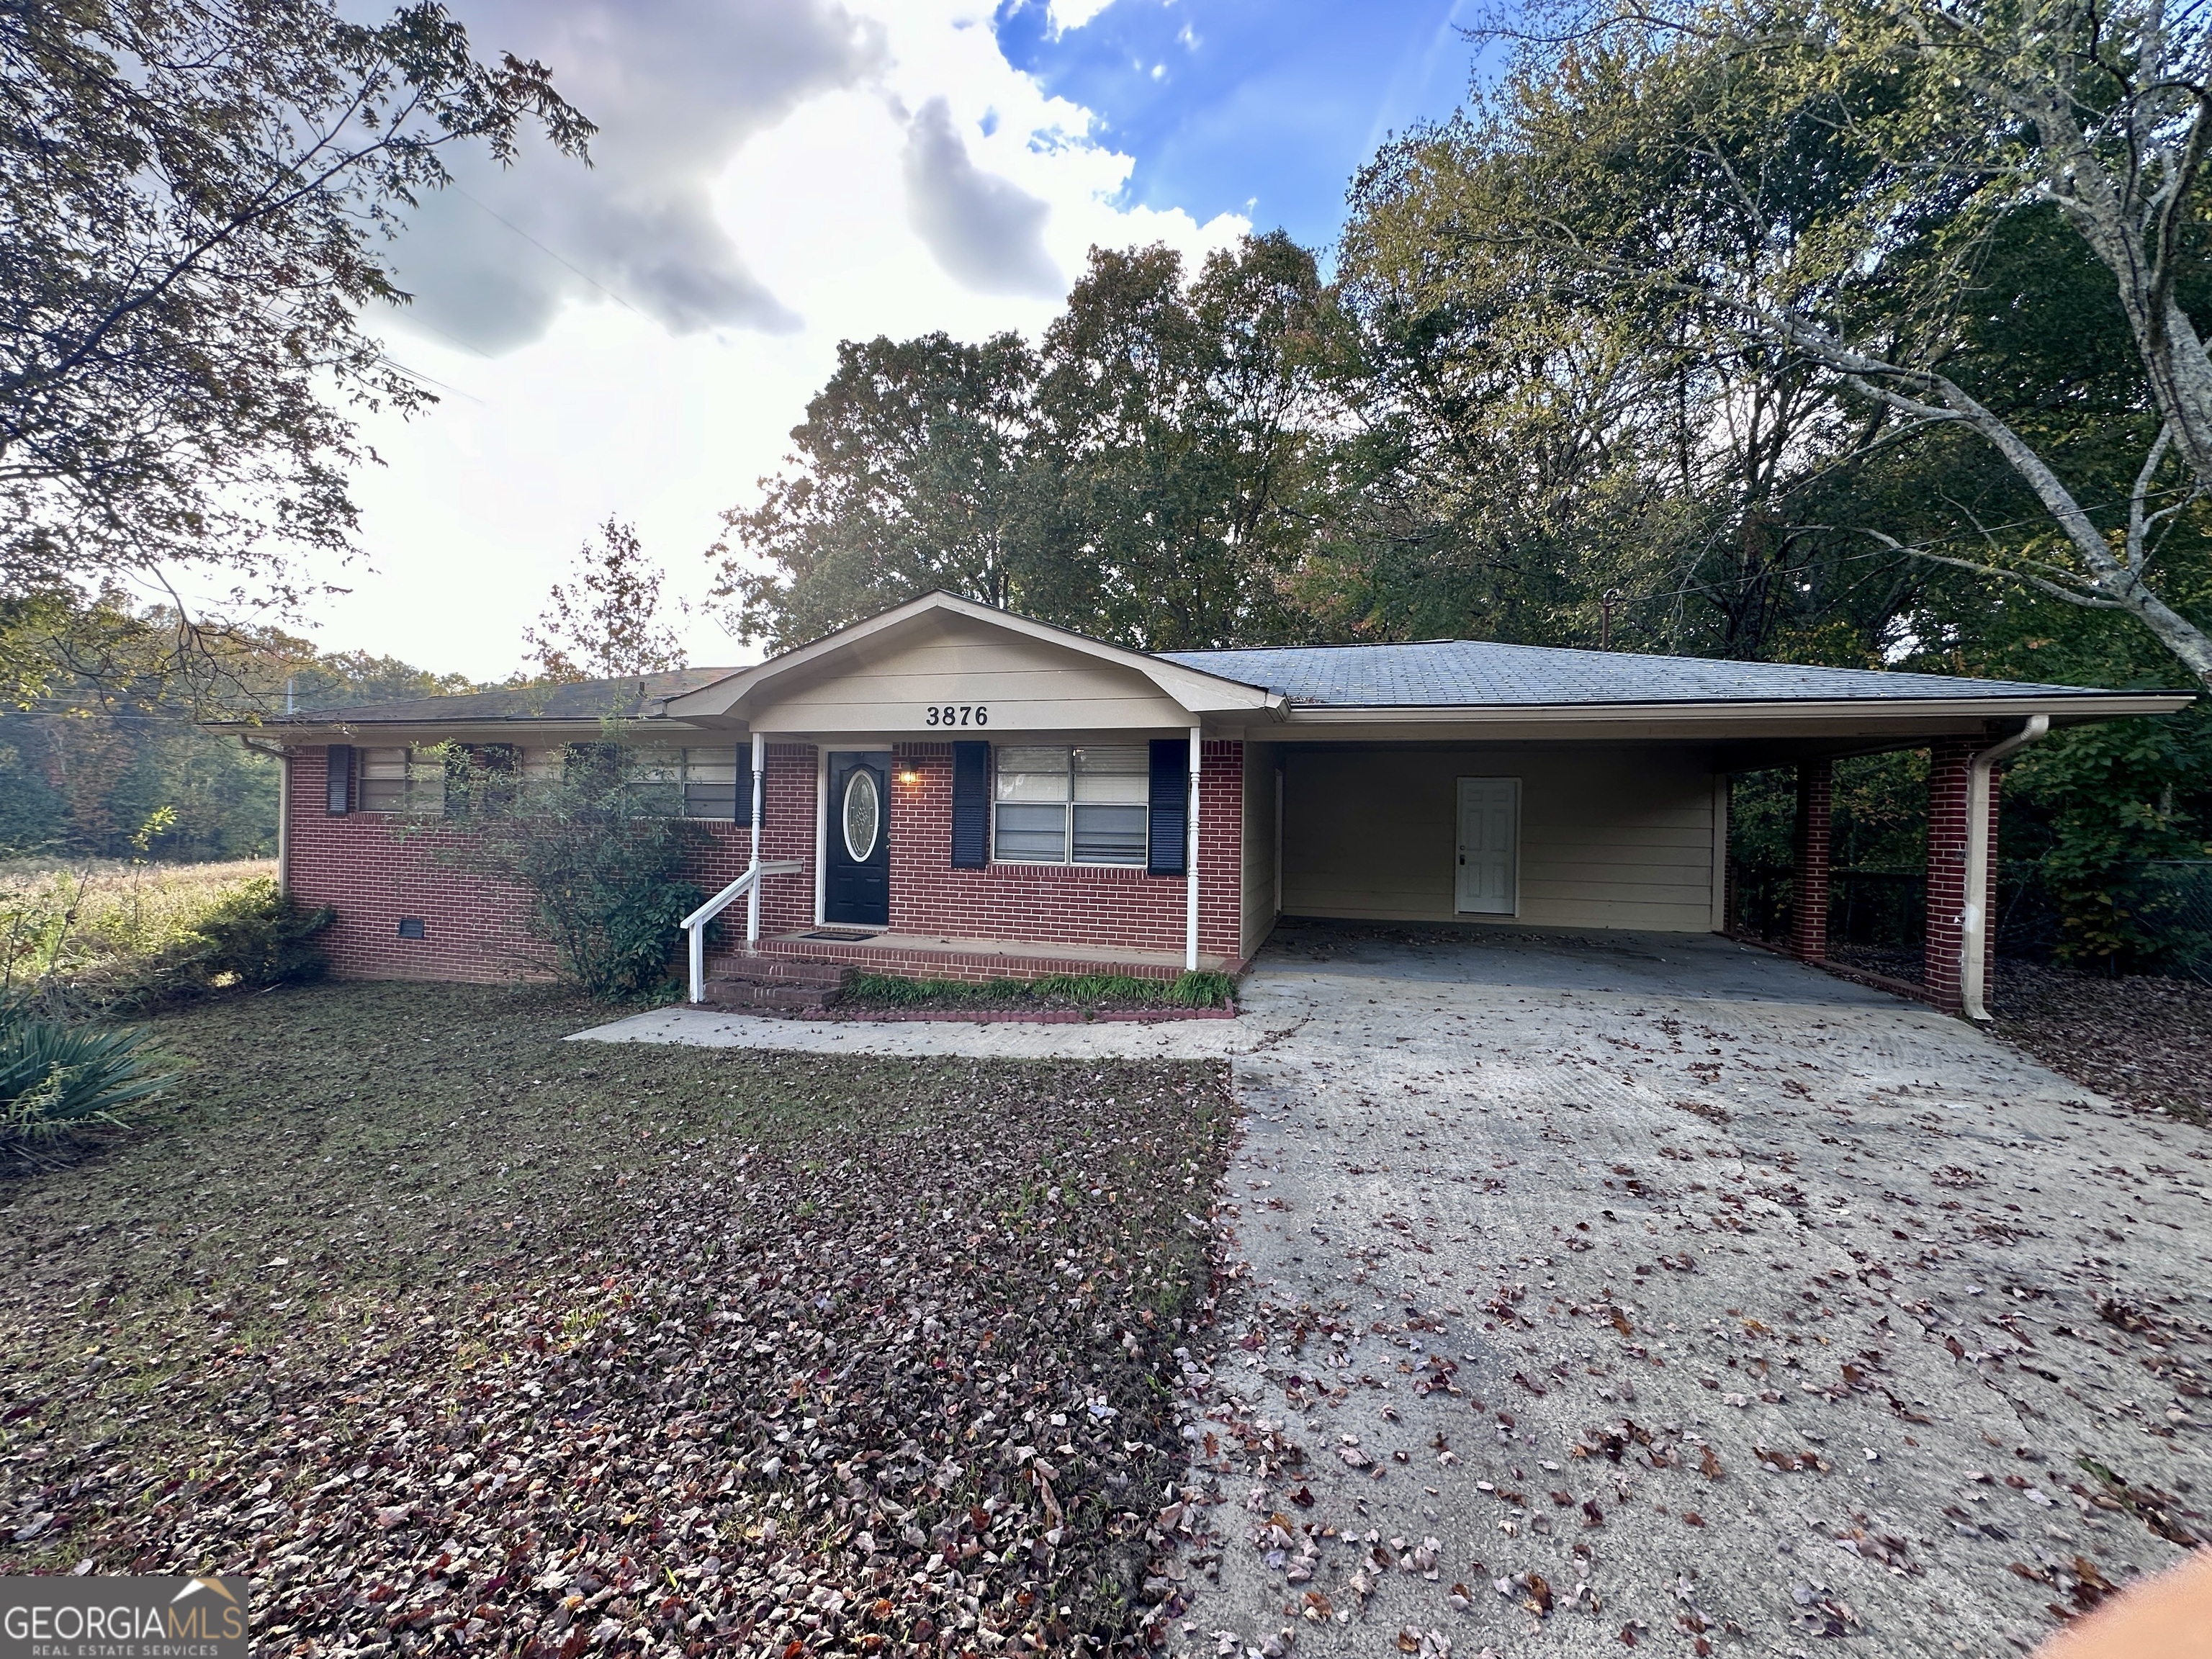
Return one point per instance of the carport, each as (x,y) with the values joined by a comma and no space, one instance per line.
(1478,783)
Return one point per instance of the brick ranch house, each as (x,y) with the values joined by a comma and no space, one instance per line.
(952,790)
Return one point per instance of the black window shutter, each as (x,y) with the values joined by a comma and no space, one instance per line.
(971,806)
(338,779)
(743,815)
(1170,805)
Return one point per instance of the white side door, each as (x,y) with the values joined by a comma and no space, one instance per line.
(1489,873)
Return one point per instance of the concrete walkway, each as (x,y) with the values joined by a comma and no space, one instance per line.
(1171,1039)
(1649,1290)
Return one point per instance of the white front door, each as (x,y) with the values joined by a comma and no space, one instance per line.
(1488,876)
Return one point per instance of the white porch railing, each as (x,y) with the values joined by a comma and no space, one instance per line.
(695,924)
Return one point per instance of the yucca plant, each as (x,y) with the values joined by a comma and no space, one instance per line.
(59,1080)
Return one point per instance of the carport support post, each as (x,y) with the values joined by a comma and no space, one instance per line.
(752,894)
(1808,889)
(1190,857)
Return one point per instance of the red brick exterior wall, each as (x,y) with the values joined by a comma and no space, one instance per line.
(1808,893)
(361,866)
(1056,903)
(372,876)
(786,832)
(1948,763)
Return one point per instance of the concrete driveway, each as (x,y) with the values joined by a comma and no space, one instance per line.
(1649,1291)
(1653,1291)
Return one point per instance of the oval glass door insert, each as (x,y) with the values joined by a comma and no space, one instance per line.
(864,815)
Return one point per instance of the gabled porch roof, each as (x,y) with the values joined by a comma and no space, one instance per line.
(1196,690)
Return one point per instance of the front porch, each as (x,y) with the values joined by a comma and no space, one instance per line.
(977,961)
(801,972)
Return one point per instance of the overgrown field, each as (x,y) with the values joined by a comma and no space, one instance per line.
(87,919)
(451,1334)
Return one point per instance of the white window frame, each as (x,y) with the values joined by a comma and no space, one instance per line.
(1067,810)
(688,759)
(422,783)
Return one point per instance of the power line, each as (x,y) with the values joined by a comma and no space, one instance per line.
(557,258)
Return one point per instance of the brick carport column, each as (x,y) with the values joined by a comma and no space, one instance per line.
(1949,765)
(1808,886)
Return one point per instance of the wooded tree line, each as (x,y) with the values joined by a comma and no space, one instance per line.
(196,200)
(101,755)
(1857,337)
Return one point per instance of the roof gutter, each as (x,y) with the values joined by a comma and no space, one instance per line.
(2105,705)
(1974,929)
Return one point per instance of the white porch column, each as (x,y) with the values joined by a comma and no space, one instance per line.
(1190,860)
(752,897)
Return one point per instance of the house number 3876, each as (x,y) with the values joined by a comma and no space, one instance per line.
(955,714)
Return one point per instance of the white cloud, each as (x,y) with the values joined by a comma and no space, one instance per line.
(988,234)
(1074,14)
(787,222)
(676,86)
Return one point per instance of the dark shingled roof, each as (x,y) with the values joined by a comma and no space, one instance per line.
(1475,674)
(626,698)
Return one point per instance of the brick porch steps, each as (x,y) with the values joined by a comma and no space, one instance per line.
(977,961)
(780,984)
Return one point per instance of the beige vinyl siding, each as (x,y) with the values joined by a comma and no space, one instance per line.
(1028,685)
(1261,761)
(1609,837)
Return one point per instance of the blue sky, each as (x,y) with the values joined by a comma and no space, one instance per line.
(1259,107)
(636,339)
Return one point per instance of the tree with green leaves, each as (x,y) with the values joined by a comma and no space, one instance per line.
(605,620)
(1182,421)
(1147,473)
(1549,452)
(1880,154)
(914,470)
(193,198)
(103,743)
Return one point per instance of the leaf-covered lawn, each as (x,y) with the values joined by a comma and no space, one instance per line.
(2143,1040)
(452,1335)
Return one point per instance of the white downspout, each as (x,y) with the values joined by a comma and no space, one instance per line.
(284,820)
(1190,859)
(1974,922)
(752,898)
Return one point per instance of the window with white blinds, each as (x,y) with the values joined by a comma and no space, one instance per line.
(669,782)
(408,780)
(1070,803)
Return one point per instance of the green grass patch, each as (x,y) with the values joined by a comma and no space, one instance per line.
(1094,991)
